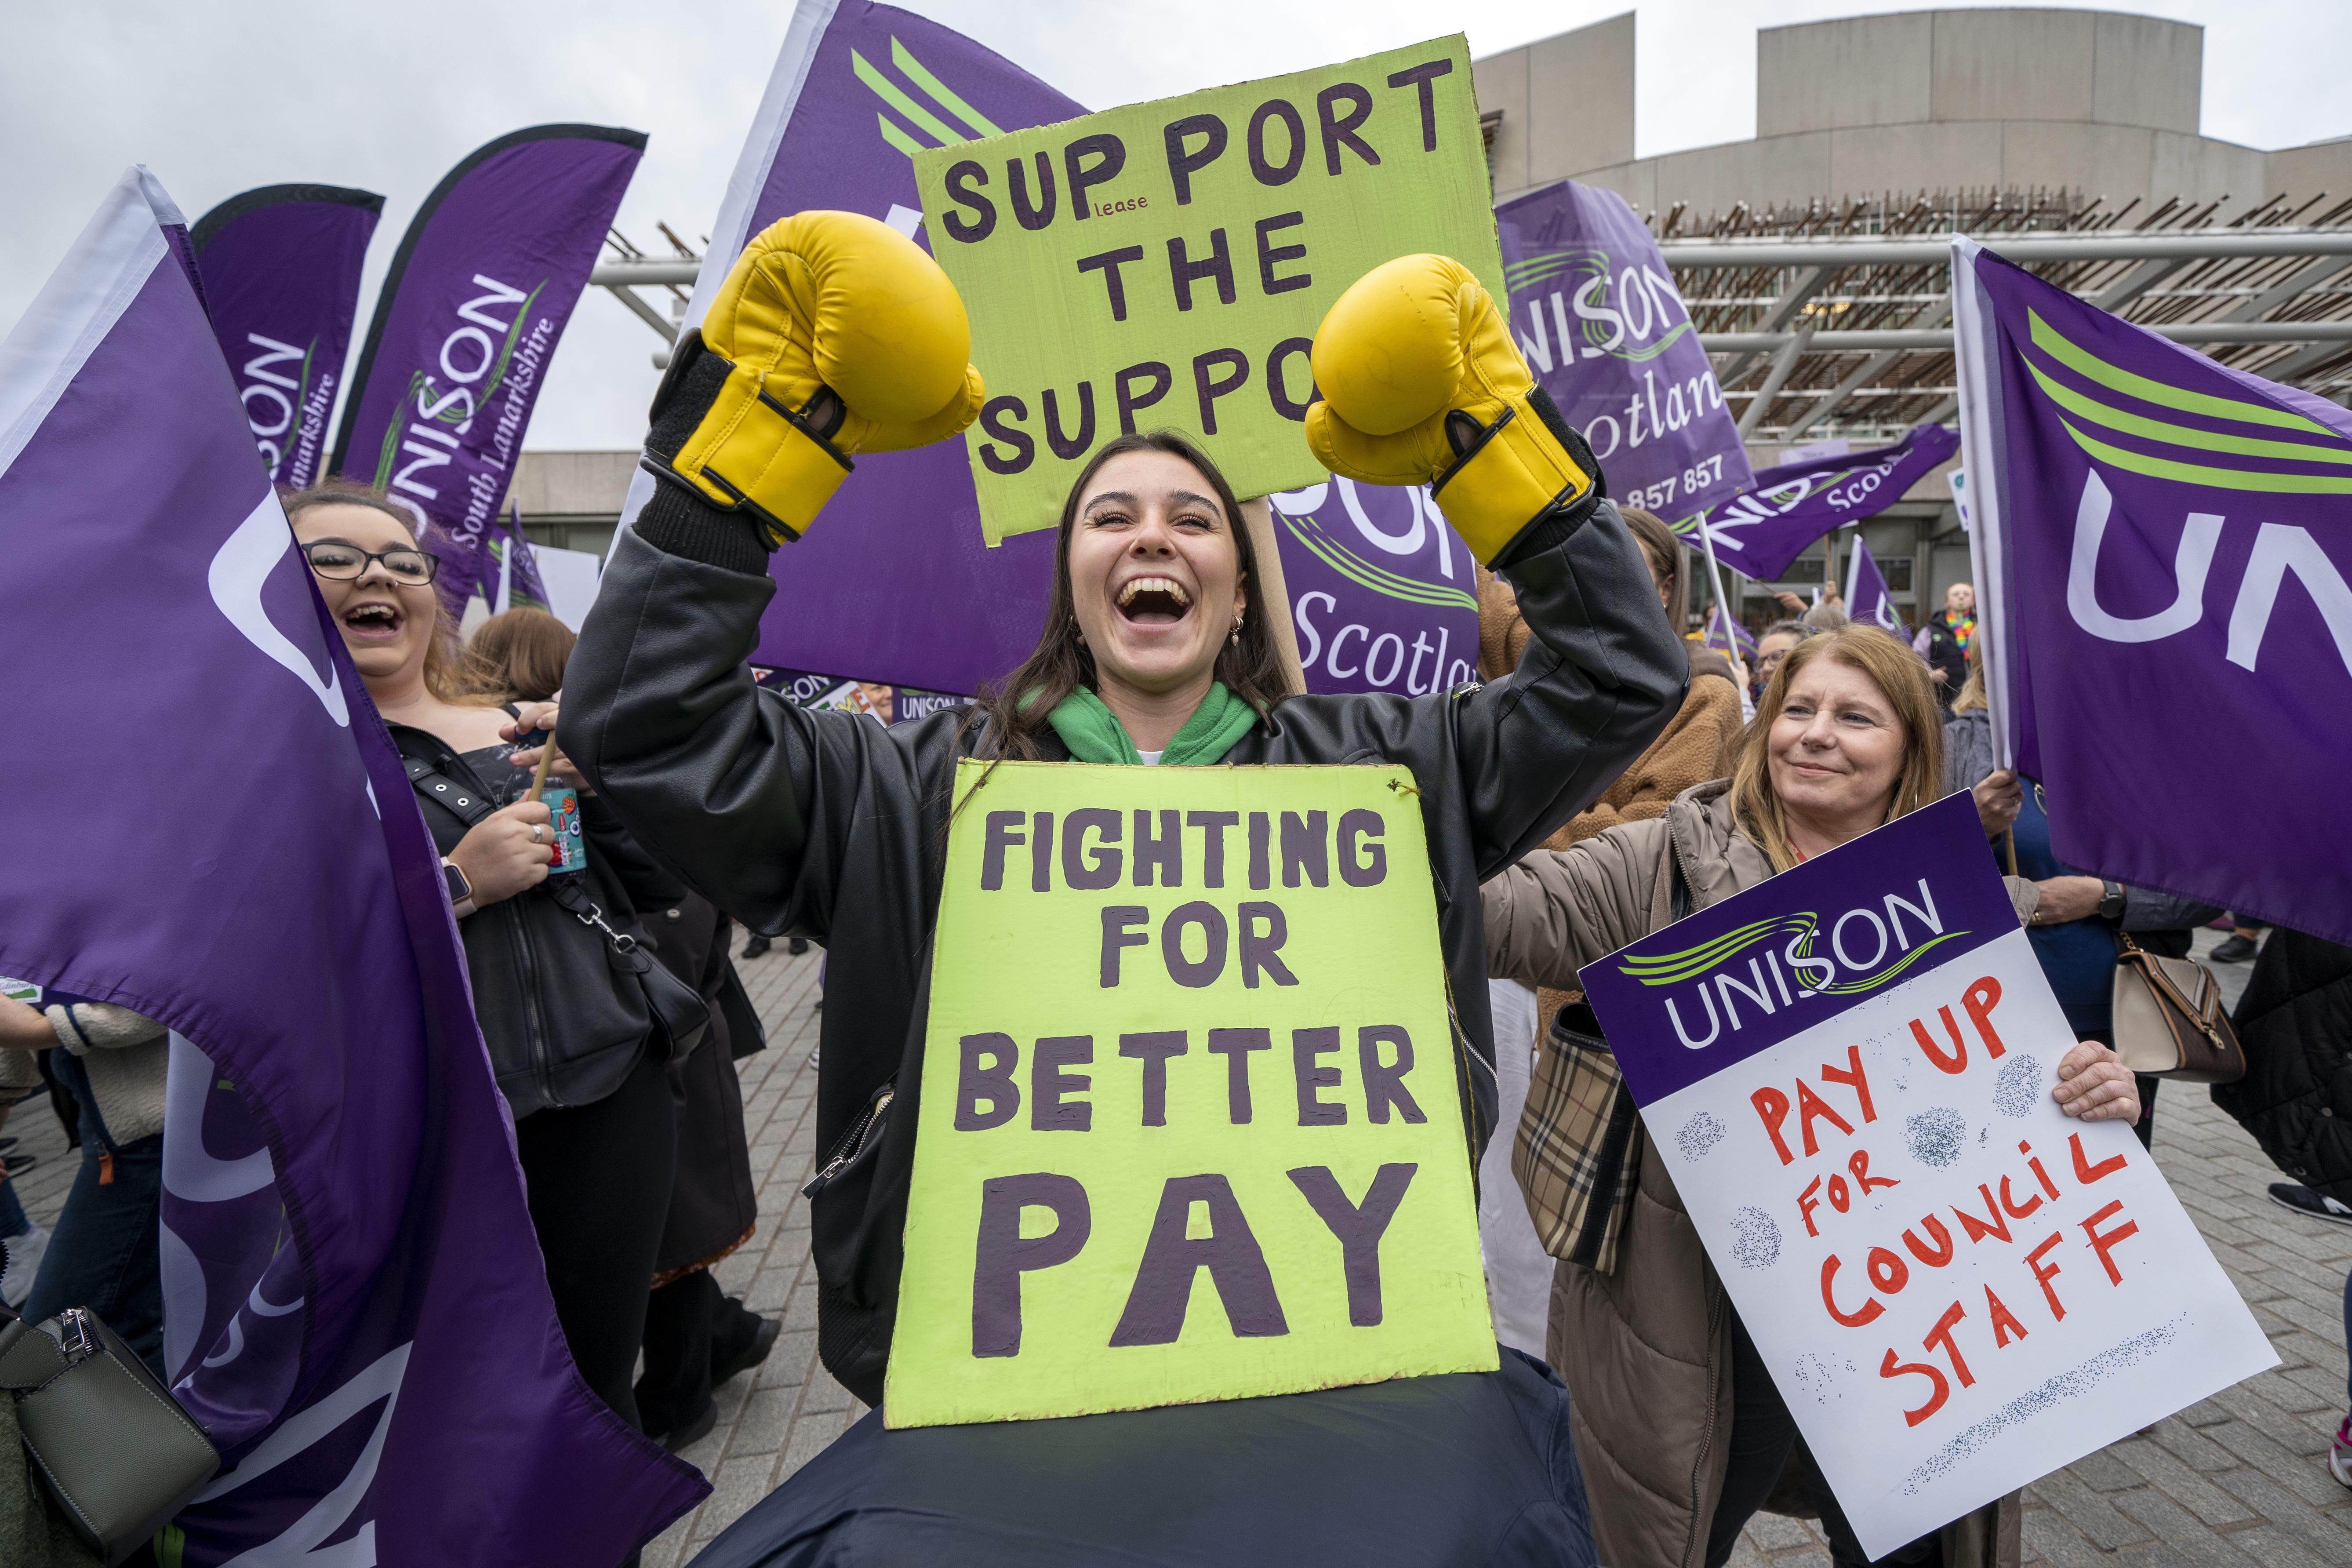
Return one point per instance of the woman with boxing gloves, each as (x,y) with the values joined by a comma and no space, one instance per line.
(835,335)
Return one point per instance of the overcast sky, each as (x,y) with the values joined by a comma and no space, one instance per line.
(218,98)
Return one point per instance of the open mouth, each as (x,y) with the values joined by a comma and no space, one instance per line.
(373,622)
(1154,601)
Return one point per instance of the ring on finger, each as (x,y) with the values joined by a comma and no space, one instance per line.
(537,830)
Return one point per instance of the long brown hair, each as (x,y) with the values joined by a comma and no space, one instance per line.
(1251,670)
(1666,559)
(518,656)
(443,656)
(1899,676)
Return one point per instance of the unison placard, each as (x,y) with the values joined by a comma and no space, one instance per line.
(1191,1123)
(1166,264)
(1956,1287)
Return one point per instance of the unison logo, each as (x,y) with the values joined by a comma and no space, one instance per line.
(1629,316)
(286,400)
(2199,442)
(916,118)
(1774,964)
(429,428)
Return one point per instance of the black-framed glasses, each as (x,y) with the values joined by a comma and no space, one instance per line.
(341,563)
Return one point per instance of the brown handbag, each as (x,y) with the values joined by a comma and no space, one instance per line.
(2169,1021)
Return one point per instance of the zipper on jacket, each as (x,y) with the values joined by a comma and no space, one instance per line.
(861,1136)
(535,1026)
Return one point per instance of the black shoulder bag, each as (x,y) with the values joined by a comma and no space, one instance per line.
(680,1017)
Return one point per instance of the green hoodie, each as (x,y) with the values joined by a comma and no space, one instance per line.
(1094,733)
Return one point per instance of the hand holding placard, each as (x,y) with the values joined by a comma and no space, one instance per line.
(1849,1073)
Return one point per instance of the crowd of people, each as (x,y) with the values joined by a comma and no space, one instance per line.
(1602,783)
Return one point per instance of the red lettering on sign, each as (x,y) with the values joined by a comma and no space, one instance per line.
(1940,1337)
(1811,1107)
(1860,1314)
(1852,1076)
(2086,1172)
(2104,1242)
(1773,1108)
(1958,1059)
(1943,1250)
(1980,1000)
(1890,1367)
(1860,1166)
(2005,1326)
(1992,1225)
(2043,1276)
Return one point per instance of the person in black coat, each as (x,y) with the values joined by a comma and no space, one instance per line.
(697,1336)
(2295,1023)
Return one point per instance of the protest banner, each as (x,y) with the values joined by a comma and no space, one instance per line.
(1767,524)
(1383,596)
(1167,264)
(1630,373)
(2157,533)
(281,272)
(468,316)
(896,579)
(520,586)
(335,1142)
(1957,1288)
(1866,598)
(1216,1045)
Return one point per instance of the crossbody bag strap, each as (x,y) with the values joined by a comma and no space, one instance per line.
(580,907)
(461,801)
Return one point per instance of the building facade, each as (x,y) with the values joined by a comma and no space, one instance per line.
(1991,121)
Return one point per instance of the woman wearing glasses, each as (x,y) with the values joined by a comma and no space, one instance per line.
(567,1032)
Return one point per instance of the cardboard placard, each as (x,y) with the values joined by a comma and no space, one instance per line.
(1958,1289)
(1190,1121)
(1166,264)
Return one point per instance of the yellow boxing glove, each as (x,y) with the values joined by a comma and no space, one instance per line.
(1422,384)
(832,334)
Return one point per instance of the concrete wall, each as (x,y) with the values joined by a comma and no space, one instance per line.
(2100,103)
(549,486)
(1567,103)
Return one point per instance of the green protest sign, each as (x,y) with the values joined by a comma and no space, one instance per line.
(1189,1122)
(1167,264)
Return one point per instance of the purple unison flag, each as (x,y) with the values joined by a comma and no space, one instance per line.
(2163,557)
(1601,324)
(894,580)
(280,270)
(519,586)
(469,314)
(354,1303)
(1866,598)
(1383,593)
(1769,524)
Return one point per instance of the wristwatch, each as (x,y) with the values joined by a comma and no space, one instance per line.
(2111,901)
(460,889)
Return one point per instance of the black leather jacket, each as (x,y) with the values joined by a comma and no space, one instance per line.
(564,1024)
(829,827)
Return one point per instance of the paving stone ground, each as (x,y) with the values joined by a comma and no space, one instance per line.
(2238,1482)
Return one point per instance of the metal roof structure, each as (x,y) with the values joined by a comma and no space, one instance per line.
(1837,320)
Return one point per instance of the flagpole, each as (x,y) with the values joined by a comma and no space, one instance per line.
(1723,608)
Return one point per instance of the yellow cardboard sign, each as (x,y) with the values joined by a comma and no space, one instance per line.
(1191,1117)
(1166,264)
